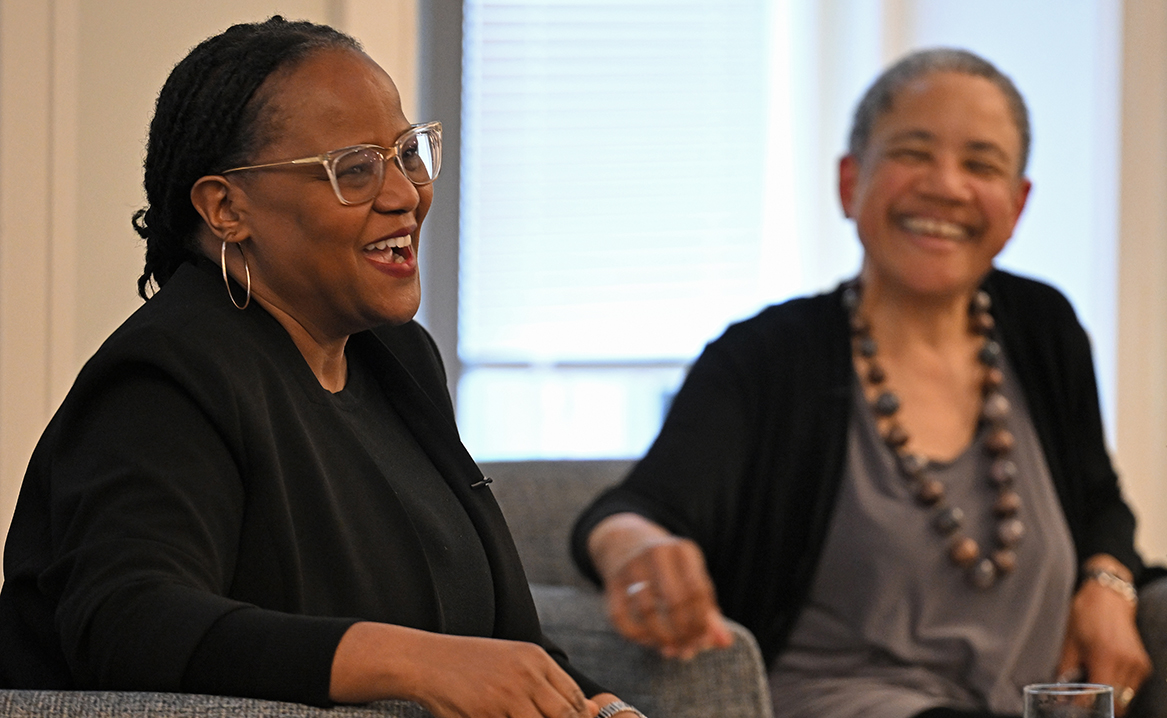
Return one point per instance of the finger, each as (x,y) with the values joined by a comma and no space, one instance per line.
(551,703)
(1070,664)
(685,597)
(623,616)
(718,635)
(567,688)
(646,609)
(637,608)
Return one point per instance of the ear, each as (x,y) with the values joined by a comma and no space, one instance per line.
(1020,197)
(848,180)
(219,203)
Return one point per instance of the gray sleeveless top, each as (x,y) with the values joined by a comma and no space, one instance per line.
(892,627)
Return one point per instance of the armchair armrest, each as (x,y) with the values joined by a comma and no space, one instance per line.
(119,704)
(729,683)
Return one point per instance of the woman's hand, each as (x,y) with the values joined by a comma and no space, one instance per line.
(658,590)
(1102,640)
(454,676)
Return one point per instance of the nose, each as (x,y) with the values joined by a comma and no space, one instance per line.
(946,179)
(398,194)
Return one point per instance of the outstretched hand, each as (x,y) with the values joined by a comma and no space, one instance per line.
(658,590)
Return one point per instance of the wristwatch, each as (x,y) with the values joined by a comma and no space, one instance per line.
(1114,582)
(618,707)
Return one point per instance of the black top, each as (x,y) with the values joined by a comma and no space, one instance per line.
(456,559)
(752,453)
(198,518)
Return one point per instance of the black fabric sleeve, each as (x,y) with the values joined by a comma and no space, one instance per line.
(1051,353)
(147,504)
(1109,524)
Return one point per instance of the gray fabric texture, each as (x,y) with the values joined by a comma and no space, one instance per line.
(541,500)
(113,704)
(727,684)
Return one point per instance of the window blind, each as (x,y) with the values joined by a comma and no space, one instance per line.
(612,172)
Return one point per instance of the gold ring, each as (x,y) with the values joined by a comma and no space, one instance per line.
(1125,696)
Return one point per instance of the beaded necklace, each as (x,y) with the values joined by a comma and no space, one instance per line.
(947,520)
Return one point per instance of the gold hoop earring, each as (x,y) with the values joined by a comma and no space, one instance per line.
(247,271)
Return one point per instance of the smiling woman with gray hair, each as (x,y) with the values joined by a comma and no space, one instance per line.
(901,487)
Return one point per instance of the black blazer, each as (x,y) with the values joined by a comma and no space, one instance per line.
(195,519)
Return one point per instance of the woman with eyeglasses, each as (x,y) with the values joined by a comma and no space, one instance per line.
(256,487)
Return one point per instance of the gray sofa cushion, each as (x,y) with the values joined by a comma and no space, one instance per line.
(728,684)
(541,500)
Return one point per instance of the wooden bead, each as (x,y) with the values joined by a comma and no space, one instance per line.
(913,464)
(886,404)
(929,492)
(964,551)
(875,374)
(1002,472)
(867,347)
(1007,504)
(983,574)
(999,441)
(996,407)
(851,298)
(994,378)
(1010,532)
(949,520)
(983,323)
(990,354)
(1005,560)
(895,437)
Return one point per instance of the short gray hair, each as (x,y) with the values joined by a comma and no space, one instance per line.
(879,97)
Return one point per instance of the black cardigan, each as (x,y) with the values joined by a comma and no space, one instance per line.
(195,519)
(752,453)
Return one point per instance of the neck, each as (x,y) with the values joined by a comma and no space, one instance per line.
(324,354)
(902,318)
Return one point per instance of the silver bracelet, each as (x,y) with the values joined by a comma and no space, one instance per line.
(618,707)
(1114,582)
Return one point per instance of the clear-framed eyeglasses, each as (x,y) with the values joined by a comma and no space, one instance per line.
(358,172)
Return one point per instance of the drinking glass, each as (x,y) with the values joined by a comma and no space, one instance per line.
(1069,700)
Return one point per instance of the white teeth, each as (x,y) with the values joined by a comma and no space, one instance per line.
(398,259)
(396,242)
(934,227)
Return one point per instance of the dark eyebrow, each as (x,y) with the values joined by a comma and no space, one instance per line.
(915,134)
(992,148)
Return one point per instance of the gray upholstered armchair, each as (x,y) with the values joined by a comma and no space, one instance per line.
(540,500)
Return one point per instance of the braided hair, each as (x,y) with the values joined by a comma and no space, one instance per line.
(209,117)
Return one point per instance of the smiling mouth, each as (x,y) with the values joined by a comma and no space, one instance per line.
(396,250)
(931,227)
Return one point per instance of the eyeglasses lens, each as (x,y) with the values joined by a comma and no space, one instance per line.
(359,174)
(361,171)
(419,154)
